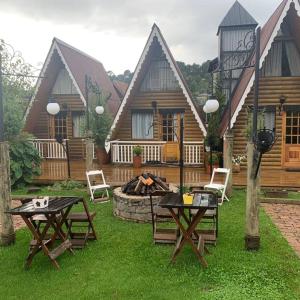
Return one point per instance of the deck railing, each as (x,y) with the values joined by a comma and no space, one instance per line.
(122,152)
(49,148)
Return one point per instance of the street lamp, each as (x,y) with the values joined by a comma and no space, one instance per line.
(211,106)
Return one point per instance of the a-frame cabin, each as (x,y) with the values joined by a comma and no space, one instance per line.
(150,111)
(63,78)
(279,92)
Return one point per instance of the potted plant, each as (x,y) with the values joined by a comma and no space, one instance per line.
(236,162)
(215,162)
(137,159)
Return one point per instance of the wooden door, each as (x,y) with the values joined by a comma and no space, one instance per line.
(170,133)
(291,139)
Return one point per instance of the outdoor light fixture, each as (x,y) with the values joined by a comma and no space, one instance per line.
(99,110)
(282,100)
(53,108)
(211,106)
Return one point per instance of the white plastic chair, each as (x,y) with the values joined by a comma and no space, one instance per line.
(217,186)
(98,186)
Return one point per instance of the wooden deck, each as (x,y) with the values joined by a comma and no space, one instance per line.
(116,175)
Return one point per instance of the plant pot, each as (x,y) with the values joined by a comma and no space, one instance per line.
(207,168)
(137,161)
(102,156)
(236,168)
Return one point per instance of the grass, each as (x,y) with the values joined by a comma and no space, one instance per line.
(125,264)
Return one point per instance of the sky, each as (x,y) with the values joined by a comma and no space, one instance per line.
(115,31)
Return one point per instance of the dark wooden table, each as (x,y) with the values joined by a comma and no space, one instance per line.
(55,216)
(202,201)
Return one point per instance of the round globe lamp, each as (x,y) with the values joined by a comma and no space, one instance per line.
(211,106)
(53,108)
(99,110)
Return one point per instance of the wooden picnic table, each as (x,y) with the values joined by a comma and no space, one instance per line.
(54,216)
(202,201)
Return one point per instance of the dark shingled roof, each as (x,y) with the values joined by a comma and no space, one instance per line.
(237,16)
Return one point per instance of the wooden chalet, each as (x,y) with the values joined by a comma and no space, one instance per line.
(63,78)
(149,114)
(279,91)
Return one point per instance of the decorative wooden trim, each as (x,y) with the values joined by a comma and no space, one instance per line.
(263,56)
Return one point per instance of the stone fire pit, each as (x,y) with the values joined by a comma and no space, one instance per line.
(135,208)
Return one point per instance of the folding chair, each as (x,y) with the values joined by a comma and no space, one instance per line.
(217,186)
(94,187)
(81,220)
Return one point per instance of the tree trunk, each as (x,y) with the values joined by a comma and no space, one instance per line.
(252,238)
(228,152)
(7,228)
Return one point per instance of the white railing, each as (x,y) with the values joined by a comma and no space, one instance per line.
(49,148)
(122,151)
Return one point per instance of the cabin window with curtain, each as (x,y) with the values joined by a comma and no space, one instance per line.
(142,125)
(283,59)
(265,117)
(64,84)
(60,126)
(78,120)
(160,77)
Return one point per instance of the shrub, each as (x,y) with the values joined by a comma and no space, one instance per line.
(66,185)
(24,161)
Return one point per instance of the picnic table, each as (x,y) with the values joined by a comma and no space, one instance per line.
(54,216)
(202,201)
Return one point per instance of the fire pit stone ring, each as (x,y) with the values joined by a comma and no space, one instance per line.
(135,208)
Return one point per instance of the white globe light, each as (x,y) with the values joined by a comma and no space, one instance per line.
(99,110)
(53,108)
(205,109)
(212,105)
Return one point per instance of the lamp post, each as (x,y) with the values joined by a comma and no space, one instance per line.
(7,236)
(211,106)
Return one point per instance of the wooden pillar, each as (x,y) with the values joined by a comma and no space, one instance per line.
(252,238)
(89,154)
(7,236)
(227,157)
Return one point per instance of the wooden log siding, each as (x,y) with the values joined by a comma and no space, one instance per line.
(165,100)
(271,88)
(42,130)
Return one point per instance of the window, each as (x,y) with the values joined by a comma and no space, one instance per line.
(142,125)
(60,126)
(160,77)
(170,127)
(292,127)
(265,117)
(78,124)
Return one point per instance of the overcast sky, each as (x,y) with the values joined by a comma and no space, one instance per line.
(115,31)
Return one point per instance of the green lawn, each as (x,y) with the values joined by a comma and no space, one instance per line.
(125,264)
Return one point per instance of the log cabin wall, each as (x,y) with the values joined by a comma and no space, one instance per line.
(42,129)
(271,88)
(165,100)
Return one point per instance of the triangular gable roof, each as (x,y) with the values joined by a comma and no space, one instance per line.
(268,34)
(237,16)
(178,75)
(79,64)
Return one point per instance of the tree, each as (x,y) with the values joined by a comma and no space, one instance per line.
(18,79)
(196,76)
(125,77)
